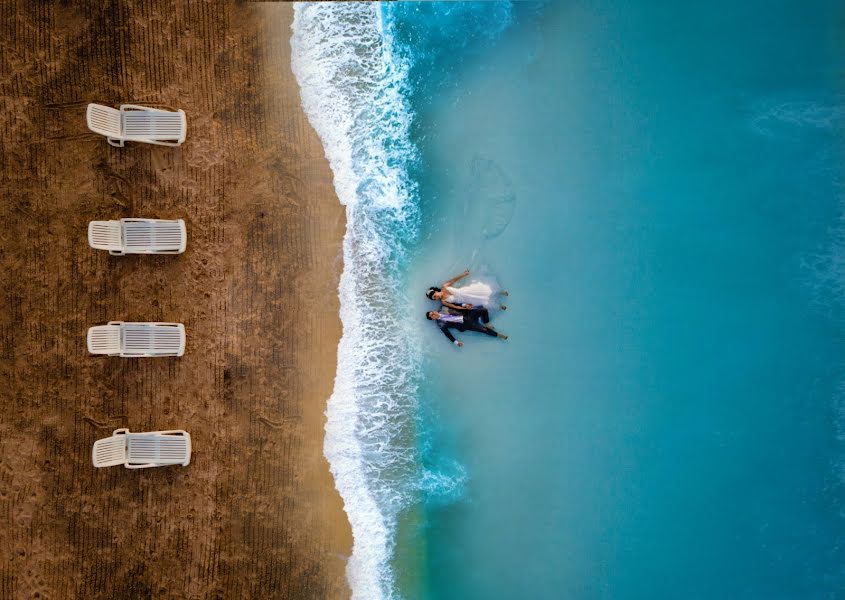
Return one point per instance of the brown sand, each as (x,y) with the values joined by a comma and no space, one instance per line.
(255,514)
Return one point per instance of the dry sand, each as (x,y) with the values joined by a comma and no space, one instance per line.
(255,514)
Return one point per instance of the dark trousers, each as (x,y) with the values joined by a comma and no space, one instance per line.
(474,319)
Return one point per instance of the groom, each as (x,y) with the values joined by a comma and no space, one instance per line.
(465,319)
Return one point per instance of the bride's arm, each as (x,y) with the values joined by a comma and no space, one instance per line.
(450,305)
(456,278)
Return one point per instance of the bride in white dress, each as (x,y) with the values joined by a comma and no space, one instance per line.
(475,294)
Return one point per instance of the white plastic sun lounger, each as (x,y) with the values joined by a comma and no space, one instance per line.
(132,123)
(137,339)
(143,450)
(138,236)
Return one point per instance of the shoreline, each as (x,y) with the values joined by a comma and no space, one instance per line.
(353,92)
(256,512)
(317,361)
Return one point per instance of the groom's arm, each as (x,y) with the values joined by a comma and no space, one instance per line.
(448,334)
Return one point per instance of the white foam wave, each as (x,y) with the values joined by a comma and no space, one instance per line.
(814,114)
(353,89)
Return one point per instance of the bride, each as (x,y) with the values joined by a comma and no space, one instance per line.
(474,294)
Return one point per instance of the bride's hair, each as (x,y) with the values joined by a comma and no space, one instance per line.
(431,291)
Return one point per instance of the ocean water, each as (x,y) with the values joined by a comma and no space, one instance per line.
(660,187)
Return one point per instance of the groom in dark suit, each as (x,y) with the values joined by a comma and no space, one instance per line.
(465,319)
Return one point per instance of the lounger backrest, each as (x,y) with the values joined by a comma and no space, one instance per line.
(104,339)
(153,125)
(105,235)
(110,451)
(160,448)
(104,120)
(153,339)
(153,236)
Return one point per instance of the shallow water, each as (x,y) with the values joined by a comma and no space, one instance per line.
(660,189)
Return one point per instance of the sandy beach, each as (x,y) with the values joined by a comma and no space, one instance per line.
(255,514)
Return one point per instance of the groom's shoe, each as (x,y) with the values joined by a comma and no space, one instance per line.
(502,336)
(503,307)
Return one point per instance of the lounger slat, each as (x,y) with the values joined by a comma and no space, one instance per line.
(140,125)
(159,449)
(151,340)
(158,236)
(110,451)
(104,339)
(104,120)
(105,235)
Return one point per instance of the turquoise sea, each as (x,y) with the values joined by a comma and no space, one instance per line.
(660,186)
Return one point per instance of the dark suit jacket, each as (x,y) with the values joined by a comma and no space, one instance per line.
(470,323)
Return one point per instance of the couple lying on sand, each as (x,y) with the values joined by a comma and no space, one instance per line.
(464,308)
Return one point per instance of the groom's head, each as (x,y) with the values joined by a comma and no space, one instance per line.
(432,315)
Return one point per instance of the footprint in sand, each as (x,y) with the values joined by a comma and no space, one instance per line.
(494,196)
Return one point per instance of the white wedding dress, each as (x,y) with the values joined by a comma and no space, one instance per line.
(476,293)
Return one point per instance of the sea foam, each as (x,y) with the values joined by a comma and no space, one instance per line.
(353,86)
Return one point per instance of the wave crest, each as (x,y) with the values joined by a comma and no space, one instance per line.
(354,90)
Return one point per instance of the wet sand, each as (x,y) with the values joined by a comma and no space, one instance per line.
(255,514)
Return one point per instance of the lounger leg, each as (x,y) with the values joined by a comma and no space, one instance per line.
(158,143)
(115,142)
